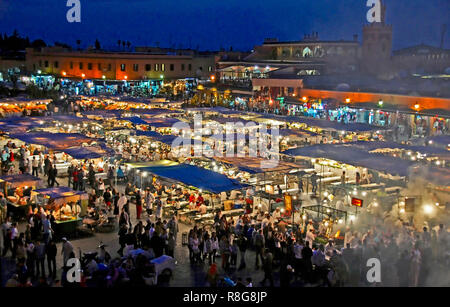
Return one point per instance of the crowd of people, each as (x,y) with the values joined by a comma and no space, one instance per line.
(409,256)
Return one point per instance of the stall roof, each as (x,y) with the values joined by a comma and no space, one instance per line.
(220,110)
(54,141)
(59,192)
(373,145)
(258,165)
(197,177)
(103,113)
(354,156)
(90,152)
(18,180)
(159,163)
(154,111)
(148,133)
(443,140)
(324,124)
(16,124)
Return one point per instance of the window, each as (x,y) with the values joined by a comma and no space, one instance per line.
(136,67)
(172,67)
(46,64)
(81,65)
(89,66)
(71,65)
(148,67)
(190,67)
(210,68)
(122,67)
(99,66)
(163,67)
(156,67)
(109,67)
(201,68)
(182,67)
(56,64)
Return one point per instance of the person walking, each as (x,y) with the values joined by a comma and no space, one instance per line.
(138,204)
(259,243)
(243,245)
(51,252)
(35,165)
(66,251)
(268,269)
(40,259)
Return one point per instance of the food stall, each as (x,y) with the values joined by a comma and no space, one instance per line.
(202,180)
(55,199)
(17,190)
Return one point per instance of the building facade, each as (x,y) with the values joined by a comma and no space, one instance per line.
(118,65)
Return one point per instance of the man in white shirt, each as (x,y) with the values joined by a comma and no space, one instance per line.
(277,213)
(66,209)
(310,237)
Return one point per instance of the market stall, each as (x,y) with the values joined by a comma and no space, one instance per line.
(59,200)
(17,190)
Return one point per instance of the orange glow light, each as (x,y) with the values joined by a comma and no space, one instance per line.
(347,100)
(304,98)
(83,75)
(126,77)
(417,106)
(64,73)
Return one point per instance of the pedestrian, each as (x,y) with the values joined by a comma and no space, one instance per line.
(40,259)
(268,269)
(35,165)
(51,251)
(66,251)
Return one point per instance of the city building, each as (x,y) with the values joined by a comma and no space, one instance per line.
(93,64)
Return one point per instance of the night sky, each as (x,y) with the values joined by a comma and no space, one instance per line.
(214,24)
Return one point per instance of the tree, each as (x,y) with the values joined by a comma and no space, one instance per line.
(97,44)
(119,43)
(128,44)
(123,44)
(38,43)
(78,44)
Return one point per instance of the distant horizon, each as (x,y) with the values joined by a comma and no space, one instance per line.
(215,25)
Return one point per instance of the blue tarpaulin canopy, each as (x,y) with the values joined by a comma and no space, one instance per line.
(429,150)
(20,124)
(59,192)
(197,177)
(354,156)
(54,141)
(153,134)
(220,110)
(90,152)
(103,113)
(154,111)
(325,124)
(135,120)
(18,180)
(442,140)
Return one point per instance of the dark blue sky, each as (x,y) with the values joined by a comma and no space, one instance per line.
(213,24)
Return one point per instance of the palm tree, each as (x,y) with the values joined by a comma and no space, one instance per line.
(78,44)
(119,42)
(128,44)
